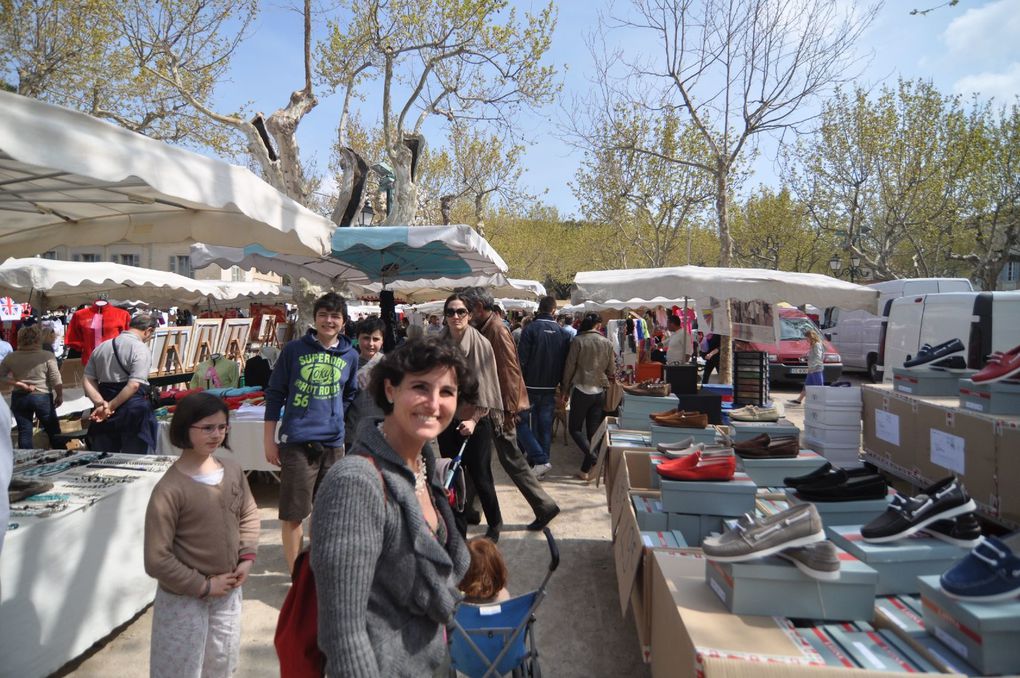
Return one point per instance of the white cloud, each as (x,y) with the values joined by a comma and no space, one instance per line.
(1003,85)
(988,32)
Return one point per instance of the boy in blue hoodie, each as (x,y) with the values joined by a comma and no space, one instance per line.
(313,383)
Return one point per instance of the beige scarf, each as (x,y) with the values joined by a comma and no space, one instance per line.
(482,363)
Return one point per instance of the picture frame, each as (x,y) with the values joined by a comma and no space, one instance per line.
(234,338)
(169,348)
(205,339)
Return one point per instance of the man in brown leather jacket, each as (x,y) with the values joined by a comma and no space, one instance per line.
(515,400)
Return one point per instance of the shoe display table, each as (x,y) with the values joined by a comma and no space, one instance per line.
(246,446)
(67,579)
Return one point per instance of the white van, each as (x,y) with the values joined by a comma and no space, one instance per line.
(984,321)
(857,334)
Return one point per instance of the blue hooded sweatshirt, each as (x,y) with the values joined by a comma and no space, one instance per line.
(313,386)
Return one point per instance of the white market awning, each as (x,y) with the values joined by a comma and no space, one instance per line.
(741,284)
(69,179)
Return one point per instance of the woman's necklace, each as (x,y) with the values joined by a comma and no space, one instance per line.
(420,480)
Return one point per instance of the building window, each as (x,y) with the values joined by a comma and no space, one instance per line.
(52,254)
(126,259)
(181,266)
(236,274)
(89,258)
(1012,271)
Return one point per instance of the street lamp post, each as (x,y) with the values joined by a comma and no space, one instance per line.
(853,270)
(367,213)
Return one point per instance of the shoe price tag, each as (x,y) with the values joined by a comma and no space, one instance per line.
(947,451)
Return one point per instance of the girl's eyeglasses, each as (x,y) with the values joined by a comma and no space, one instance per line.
(450,312)
(213,429)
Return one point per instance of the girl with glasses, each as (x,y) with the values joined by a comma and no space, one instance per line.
(201,534)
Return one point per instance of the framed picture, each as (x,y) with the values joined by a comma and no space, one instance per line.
(234,338)
(169,346)
(205,339)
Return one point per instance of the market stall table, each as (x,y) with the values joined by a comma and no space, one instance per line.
(69,578)
(246,446)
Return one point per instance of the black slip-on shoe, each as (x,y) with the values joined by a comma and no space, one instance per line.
(945,499)
(954,363)
(823,472)
(929,353)
(860,488)
(963,530)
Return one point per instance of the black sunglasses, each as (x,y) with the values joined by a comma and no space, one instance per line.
(450,312)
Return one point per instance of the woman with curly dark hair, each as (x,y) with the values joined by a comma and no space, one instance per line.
(386,555)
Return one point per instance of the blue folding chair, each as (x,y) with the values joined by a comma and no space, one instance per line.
(496,639)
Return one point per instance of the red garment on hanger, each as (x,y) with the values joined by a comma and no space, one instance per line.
(81,335)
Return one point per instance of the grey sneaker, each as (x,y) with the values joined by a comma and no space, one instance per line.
(797,526)
(818,561)
(541,470)
(681,444)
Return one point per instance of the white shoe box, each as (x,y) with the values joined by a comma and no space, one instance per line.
(839,396)
(844,456)
(832,415)
(834,435)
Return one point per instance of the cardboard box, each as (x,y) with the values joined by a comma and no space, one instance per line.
(890,426)
(694,635)
(840,396)
(772,472)
(898,614)
(649,513)
(849,436)
(984,635)
(773,586)
(950,441)
(1007,463)
(898,563)
(843,456)
(72,373)
(831,415)
(661,539)
(995,398)
(732,498)
(925,382)
(743,430)
(846,512)
(694,528)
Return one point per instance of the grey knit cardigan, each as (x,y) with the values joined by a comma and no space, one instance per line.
(386,586)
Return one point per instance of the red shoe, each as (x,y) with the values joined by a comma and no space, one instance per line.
(714,468)
(680,463)
(1000,366)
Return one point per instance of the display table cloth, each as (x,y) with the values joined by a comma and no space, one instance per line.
(246,446)
(72,570)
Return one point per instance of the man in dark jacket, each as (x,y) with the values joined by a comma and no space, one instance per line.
(543,352)
(314,383)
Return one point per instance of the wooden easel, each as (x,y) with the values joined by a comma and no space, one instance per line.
(204,352)
(235,352)
(170,358)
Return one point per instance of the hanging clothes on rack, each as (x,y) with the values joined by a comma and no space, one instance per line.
(93,325)
(216,372)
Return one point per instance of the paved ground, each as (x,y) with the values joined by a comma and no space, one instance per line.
(580,630)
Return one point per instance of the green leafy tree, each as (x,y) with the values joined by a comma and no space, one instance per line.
(772,230)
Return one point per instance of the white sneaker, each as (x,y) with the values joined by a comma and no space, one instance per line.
(541,470)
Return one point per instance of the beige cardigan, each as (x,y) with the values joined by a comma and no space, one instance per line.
(482,363)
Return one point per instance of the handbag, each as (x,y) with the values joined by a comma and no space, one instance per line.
(614,395)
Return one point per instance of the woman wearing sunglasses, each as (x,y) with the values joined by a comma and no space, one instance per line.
(471,420)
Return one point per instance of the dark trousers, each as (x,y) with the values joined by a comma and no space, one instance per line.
(516,466)
(586,411)
(711,365)
(25,407)
(543,411)
(477,465)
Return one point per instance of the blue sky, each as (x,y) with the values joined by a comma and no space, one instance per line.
(971,48)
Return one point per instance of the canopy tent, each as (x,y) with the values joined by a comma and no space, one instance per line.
(69,179)
(419,291)
(617,305)
(361,256)
(742,284)
(49,283)
(429,307)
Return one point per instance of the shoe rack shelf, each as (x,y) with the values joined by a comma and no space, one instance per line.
(750,378)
